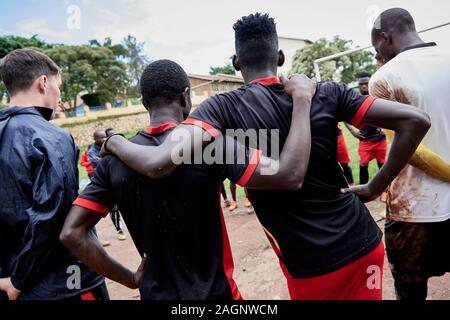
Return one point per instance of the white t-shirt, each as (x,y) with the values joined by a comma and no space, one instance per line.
(420,77)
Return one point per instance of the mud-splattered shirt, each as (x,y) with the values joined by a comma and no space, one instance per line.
(420,76)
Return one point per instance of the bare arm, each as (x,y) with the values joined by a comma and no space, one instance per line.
(289,171)
(410,126)
(77,238)
(354,132)
(161,161)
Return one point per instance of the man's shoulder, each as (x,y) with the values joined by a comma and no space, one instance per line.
(224,97)
(38,128)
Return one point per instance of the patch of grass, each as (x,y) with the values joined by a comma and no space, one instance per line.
(240,194)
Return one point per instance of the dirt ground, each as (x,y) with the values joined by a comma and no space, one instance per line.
(257,271)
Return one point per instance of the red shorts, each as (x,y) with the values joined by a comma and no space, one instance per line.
(372,150)
(342,152)
(360,280)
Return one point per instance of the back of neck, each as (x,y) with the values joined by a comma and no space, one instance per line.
(250,76)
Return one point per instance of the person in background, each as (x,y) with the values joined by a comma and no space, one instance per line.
(115,213)
(343,157)
(94,150)
(372,140)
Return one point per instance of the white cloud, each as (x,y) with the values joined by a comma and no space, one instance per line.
(40,26)
(198,33)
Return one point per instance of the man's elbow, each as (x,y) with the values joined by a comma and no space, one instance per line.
(158,170)
(294,182)
(69,237)
(422,122)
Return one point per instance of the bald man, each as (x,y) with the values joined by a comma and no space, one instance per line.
(418,208)
(94,150)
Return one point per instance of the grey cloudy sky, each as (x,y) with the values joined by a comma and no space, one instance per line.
(198,33)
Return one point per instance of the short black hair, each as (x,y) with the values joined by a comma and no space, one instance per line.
(107,131)
(162,80)
(256,41)
(394,20)
(363,75)
(21,67)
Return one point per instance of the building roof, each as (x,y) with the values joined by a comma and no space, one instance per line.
(218,78)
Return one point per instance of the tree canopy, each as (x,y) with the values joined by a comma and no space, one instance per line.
(226,69)
(106,69)
(343,69)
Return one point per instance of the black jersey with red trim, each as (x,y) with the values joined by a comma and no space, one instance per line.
(317,229)
(177,221)
(372,133)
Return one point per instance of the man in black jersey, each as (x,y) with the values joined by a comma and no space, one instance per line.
(178,221)
(372,140)
(327,242)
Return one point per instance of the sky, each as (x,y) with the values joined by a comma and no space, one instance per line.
(198,33)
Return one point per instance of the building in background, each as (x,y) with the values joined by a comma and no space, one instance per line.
(290,47)
(205,86)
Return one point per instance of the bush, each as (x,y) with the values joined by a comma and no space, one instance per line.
(95,99)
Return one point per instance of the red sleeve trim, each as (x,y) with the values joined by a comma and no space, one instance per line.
(205,126)
(248,173)
(359,116)
(91,205)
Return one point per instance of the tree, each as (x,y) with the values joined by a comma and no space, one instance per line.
(10,43)
(226,69)
(91,69)
(118,49)
(136,60)
(343,69)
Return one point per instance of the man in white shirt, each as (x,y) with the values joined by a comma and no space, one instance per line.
(418,208)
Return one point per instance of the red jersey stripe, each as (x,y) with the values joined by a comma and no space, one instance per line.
(160,129)
(359,116)
(254,162)
(227,256)
(267,81)
(205,126)
(91,205)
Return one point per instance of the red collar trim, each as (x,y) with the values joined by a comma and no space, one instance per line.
(267,81)
(160,129)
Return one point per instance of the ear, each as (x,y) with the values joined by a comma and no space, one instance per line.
(281,58)
(184,96)
(235,61)
(42,83)
(385,36)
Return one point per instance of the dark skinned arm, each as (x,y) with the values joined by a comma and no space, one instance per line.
(157,162)
(354,132)
(86,247)
(410,126)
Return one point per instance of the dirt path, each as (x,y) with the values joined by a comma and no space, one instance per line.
(257,272)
